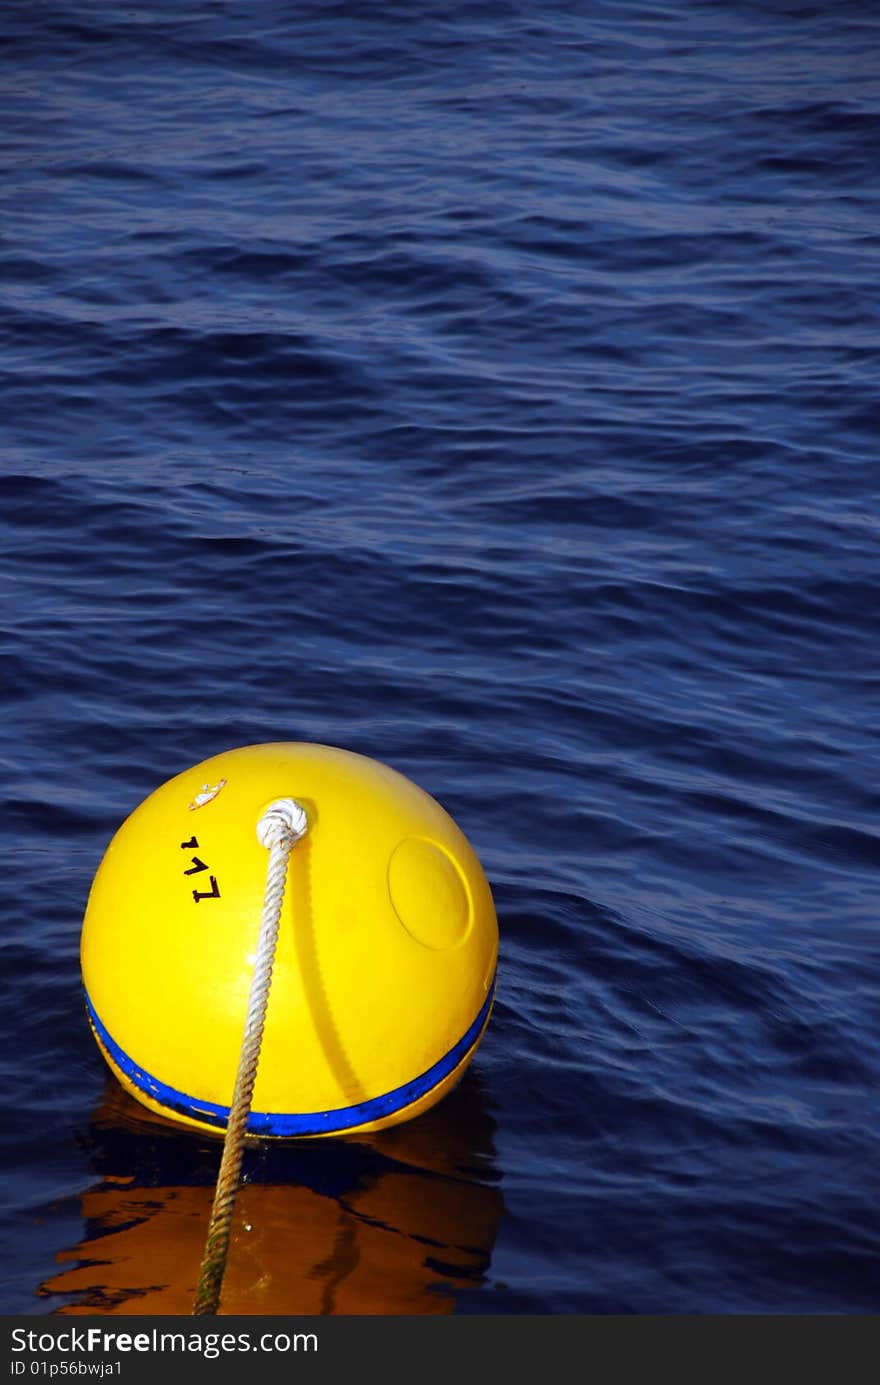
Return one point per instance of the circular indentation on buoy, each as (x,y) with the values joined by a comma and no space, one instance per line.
(428,894)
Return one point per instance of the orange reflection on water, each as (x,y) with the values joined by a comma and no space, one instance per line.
(396,1222)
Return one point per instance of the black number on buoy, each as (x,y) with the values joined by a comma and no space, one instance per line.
(197,866)
(213,893)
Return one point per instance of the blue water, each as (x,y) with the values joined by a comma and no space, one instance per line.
(491,389)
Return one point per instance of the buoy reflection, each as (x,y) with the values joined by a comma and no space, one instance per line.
(396,1222)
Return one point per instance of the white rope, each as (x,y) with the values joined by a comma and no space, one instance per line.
(279,829)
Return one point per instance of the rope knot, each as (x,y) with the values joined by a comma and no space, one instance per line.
(282,824)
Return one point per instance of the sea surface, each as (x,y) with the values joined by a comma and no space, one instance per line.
(490,389)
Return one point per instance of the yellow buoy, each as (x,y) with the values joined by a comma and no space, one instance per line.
(384,971)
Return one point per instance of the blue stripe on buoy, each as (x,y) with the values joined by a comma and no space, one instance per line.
(310,1123)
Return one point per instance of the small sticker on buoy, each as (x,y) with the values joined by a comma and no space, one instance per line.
(206,794)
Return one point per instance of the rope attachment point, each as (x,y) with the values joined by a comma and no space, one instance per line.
(280,827)
(282,819)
